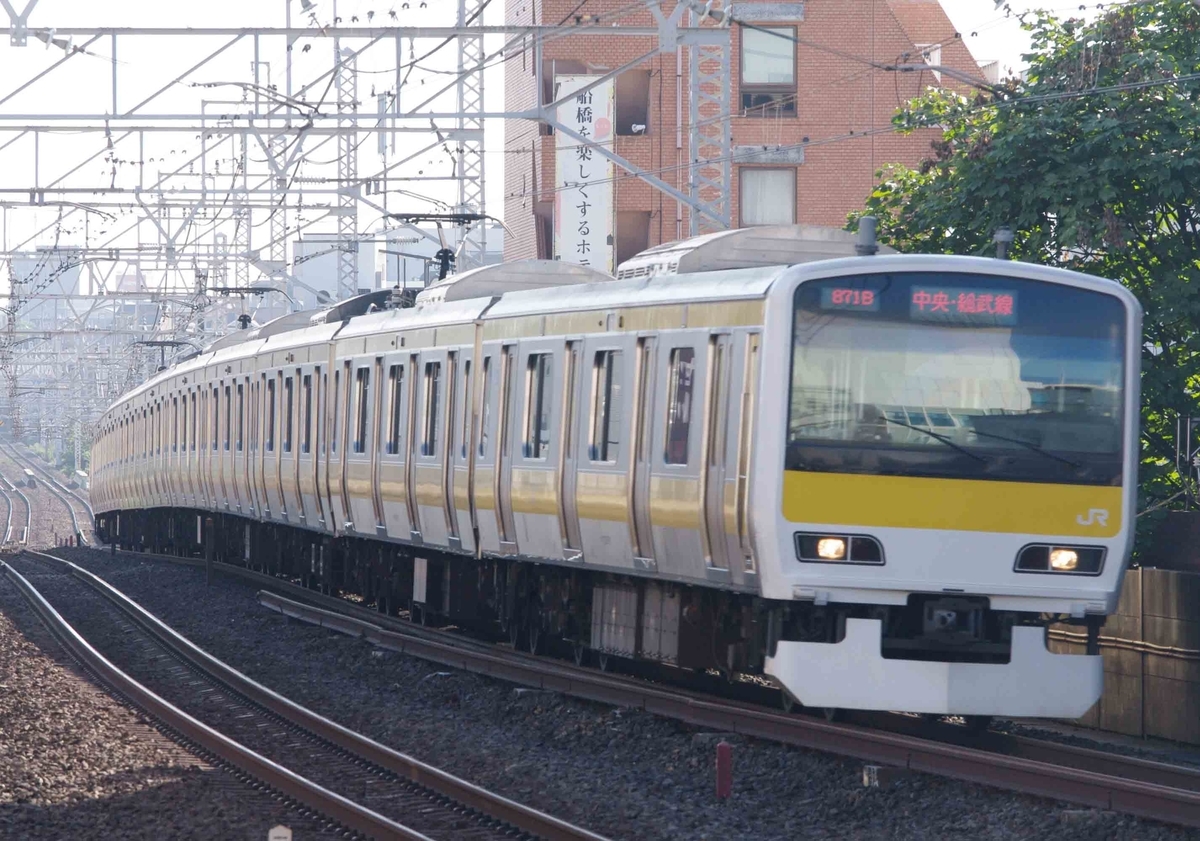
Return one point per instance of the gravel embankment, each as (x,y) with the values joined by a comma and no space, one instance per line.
(76,763)
(621,772)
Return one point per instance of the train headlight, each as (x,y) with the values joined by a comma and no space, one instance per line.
(1061,560)
(1064,560)
(831,548)
(838,549)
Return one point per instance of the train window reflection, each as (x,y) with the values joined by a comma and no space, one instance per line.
(606,402)
(433,384)
(537,408)
(1034,394)
(679,404)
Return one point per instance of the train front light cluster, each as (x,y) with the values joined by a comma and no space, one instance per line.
(838,549)
(1069,560)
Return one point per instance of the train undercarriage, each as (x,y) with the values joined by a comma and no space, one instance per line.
(571,611)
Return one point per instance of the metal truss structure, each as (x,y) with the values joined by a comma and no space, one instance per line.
(172,214)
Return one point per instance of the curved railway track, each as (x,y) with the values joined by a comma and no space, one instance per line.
(281,744)
(81,526)
(1095,778)
(21,535)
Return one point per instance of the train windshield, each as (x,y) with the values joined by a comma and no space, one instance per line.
(957,375)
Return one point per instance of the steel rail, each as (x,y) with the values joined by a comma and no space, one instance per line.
(7,517)
(58,491)
(468,794)
(334,806)
(28,510)
(1089,777)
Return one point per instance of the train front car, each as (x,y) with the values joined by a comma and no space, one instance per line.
(954,467)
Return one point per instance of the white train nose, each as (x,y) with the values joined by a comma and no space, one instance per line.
(853,674)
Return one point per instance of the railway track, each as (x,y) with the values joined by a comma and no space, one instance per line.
(21,536)
(1083,776)
(79,509)
(354,781)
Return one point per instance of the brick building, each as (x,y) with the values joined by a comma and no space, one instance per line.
(808,126)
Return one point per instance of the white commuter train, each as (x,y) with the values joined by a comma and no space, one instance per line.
(876,479)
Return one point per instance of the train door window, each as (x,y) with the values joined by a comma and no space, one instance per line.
(289,401)
(306,441)
(337,405)
(228,416)
(183,427)
(395,401)
(239,441)
(465,428)
(433,385)
(716,438)
(195,419)
(216,417)
(539,377)
(681,381)
(270,448)
(175,424)
(606,402)
(569,390)
(362,388)
(486,425)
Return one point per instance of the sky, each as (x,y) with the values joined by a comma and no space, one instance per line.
(82,85)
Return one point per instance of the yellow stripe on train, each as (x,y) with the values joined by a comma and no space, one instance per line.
(866,501)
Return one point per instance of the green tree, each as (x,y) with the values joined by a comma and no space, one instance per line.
(1094,162)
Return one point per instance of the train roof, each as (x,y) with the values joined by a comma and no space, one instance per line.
(768,245)
(504,278)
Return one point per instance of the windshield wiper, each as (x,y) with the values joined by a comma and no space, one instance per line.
(938,437)
(1029,446)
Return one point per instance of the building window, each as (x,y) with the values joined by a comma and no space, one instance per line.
(606,414)
(537,409)
(767,196)
(679,405)
(768,81)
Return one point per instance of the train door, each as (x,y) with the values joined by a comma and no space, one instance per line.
(461,521)
(717,466)
(505,415)
(328,398)
(271,444)
(602,472)
(193,463)
(574,400)
(357,459)
(228,485)
(487,518)
(743,388)
(306,458)
(241,482)
(339,421)
(394,449)
(535,482)
(429,485)
(378,430)
(254,457)
(643,451)
(287,447)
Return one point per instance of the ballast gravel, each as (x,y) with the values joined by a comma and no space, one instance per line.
(75,763)
(623,773)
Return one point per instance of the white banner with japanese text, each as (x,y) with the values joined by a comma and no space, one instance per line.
(583,198)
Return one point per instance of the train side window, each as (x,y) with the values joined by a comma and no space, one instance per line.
(241,418)
(195,420)
(306,441)
(396,401)
(465,430)
(606,403)
(270,448)
(175,423)
(337,405)
(289,400)
(228,417)
(216,417)
(362,384)
(539,377)
(433,385)
(183,428)
(681,381)
(486,424)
